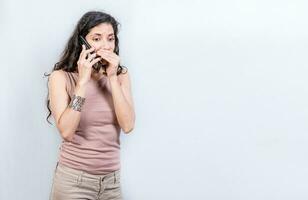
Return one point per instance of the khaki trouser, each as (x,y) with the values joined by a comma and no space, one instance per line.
(69,184)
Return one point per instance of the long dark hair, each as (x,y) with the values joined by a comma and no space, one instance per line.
(70,55)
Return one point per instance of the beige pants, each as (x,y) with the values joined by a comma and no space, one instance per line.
(71,184)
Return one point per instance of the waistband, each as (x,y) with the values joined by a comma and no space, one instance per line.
(77,172)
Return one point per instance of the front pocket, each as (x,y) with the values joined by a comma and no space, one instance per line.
(65,178)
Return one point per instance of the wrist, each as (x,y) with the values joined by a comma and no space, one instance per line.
(113,77)
(77,102)
(80,89)
(81,83)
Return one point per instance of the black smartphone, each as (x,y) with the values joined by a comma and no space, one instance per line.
(101,64)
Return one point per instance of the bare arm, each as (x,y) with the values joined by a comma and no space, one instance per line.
(66,119)
(123,102)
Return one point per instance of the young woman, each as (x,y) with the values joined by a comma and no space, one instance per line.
(90,107)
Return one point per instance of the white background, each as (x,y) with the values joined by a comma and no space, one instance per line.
(220,90)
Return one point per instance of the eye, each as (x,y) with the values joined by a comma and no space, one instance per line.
(96,39)
(111,39)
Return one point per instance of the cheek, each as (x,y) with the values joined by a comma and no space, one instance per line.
(113,45)
(96,46)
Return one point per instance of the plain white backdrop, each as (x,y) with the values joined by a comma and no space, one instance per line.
(219,88)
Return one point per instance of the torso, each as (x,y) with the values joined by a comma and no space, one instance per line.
(95,147)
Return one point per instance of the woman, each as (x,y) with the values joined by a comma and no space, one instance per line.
(90,108)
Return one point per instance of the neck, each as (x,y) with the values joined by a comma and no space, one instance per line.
(97,75)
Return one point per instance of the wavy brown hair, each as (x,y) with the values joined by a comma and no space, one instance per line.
(70,55)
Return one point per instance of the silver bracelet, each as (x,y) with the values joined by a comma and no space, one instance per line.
(77,102)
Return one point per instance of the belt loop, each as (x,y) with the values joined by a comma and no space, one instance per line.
(56,166)
(115,179)
(79,179)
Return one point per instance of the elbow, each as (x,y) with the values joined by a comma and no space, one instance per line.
(129,125)
(128,129)
(66,134)
(68,137)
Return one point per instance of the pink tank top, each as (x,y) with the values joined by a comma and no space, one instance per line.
(95,147)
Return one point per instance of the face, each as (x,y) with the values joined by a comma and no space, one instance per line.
(102,37)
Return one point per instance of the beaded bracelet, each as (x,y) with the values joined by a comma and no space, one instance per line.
(77,102)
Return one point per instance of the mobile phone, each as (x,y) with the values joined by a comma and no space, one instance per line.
(99,64)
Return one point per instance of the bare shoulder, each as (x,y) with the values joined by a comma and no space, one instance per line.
(57,76)
(57,81)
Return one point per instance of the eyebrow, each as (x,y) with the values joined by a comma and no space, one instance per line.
(110,34)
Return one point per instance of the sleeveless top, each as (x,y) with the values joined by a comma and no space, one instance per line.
(95,147)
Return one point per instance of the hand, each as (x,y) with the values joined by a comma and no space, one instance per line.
(112,59)
(85,64)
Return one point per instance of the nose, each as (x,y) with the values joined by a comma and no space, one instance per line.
(106,46)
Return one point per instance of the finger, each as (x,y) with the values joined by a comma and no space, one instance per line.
(106,50)
(105,54)
(82,51)
(90,50)
(110,54)
(91,57)
(111,59)
(87,52)
(107,58)
(95,61)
